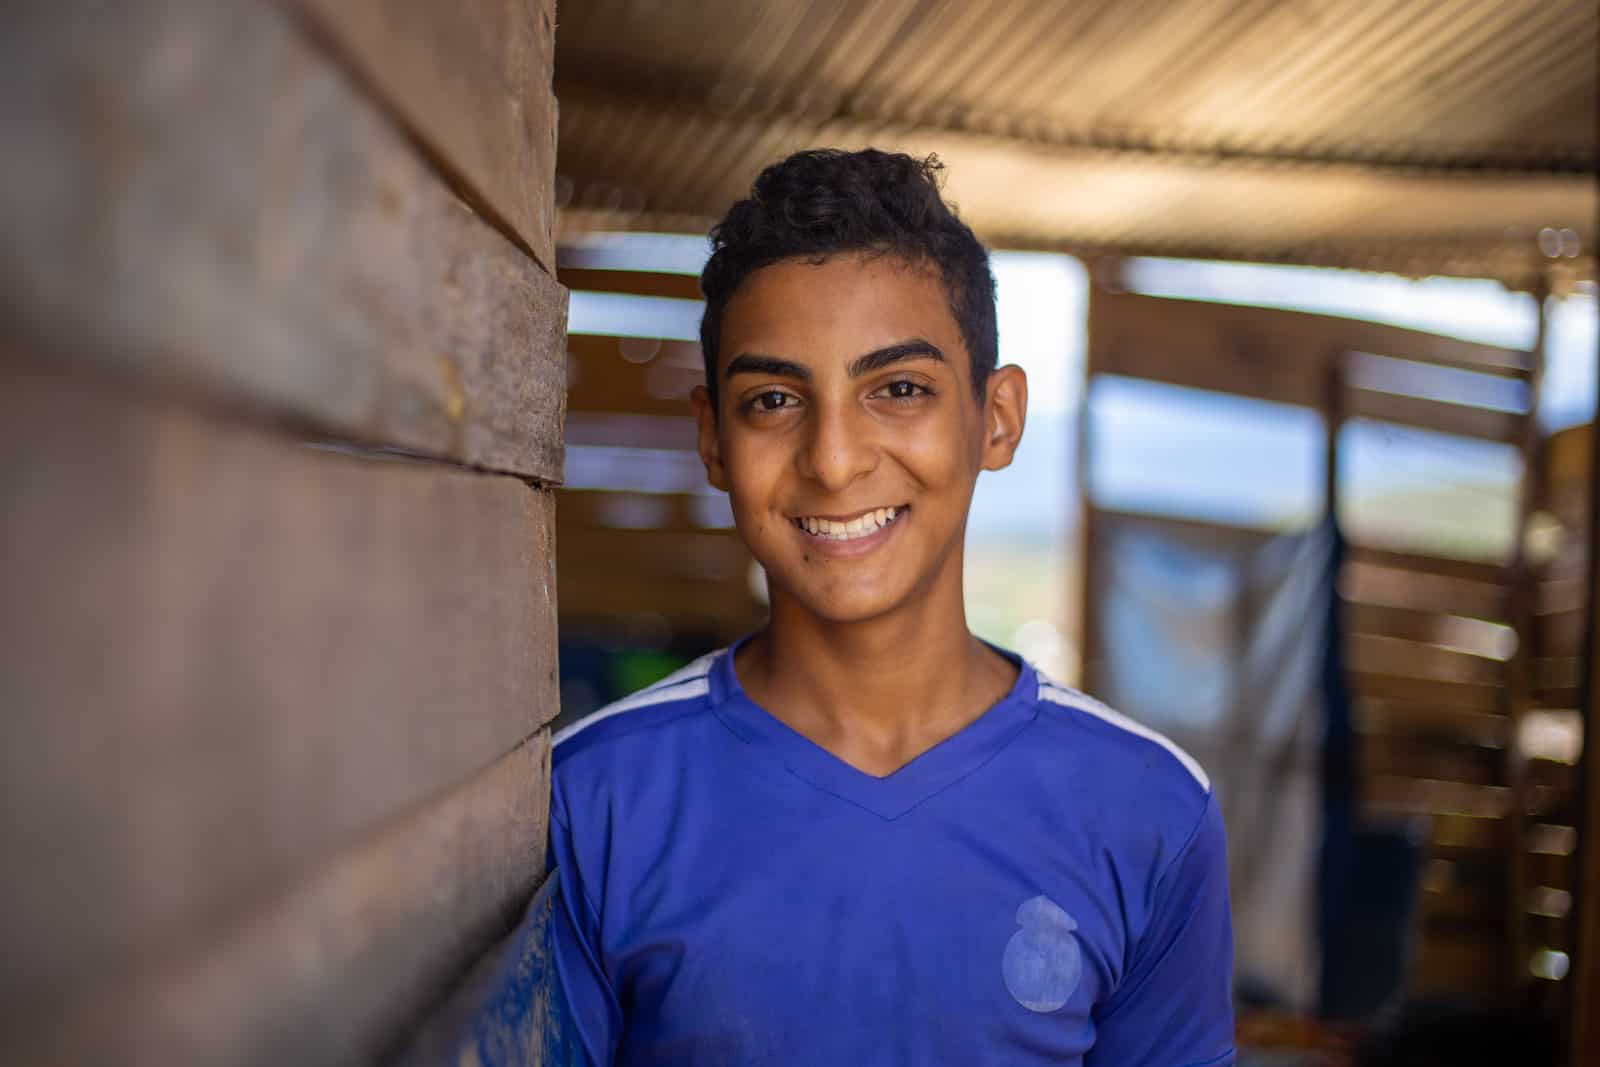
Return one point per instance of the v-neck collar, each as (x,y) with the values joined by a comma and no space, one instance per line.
(894,794)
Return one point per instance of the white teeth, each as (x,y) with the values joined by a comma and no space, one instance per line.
(861,526)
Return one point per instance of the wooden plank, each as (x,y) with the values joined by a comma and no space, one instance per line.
(1459,906)
(1585,1031)
(472,80)
(1466,833)
(250,648)
(1401,718)
(1556,871)
(1372,685)
(1413,659)
(1437,416)
(1364,583)
(1264,353)
(1474,636)
(211,207)
(1481,572)
(339,964)
(1464,964)
(1428,758)
(1400,795)
(631,282)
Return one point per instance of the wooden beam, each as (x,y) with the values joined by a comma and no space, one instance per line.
(224,653)
(472,81)
(1584,1020)
(340,963)
(1403,718)
(1474,636)
(1264,353)
(1413,659)
(1384,686)
(1365,583)
(243,226)
(1436,416)
(631,282)
(1465,570)
(1428,758)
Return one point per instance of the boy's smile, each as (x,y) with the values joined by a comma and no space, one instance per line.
(849,435)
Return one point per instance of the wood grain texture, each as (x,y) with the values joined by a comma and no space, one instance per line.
(200,198)
(221,653)
(472,80)
(340,964)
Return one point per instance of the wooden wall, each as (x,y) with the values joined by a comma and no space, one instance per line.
(673,553)
(282,377)
(1450,660)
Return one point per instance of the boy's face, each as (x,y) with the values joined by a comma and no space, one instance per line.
(849,436)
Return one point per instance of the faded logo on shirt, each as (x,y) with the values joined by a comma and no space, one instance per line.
(1042,962)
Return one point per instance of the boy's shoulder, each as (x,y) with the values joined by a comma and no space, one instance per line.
(1120,758)
(607,730)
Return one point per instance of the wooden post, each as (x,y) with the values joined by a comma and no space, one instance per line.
(1516,701)
(1584,996)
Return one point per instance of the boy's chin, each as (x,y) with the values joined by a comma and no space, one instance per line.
(842,607)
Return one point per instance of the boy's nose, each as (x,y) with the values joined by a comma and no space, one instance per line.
(837,452)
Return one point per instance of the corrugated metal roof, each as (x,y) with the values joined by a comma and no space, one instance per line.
(1418,135)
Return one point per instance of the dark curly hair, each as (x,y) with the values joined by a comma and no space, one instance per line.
(823,202)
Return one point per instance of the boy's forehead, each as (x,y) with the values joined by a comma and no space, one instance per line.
(841,306)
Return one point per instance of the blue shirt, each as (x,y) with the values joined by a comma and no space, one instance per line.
(1049,885)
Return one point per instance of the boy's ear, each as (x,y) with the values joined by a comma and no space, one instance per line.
(1005,411)
(708,445)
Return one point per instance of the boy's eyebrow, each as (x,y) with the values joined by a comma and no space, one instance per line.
(916,348)
(754,363)
(749,363)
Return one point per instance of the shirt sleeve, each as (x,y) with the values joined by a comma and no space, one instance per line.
(1174,1008)
(591,1003)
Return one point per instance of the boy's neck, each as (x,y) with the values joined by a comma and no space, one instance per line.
(876,693)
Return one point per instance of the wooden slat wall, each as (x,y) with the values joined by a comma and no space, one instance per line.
(471,80)
(1432,643)
(634,391)
(278,646)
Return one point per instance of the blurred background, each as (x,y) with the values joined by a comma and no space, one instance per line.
(1306,297)
(345,377)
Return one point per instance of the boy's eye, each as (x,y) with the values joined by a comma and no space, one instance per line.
(903,390)
(771,401)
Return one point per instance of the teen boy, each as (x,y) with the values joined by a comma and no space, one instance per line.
(862,836)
